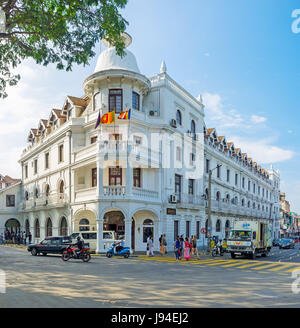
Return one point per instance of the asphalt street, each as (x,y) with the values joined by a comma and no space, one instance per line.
(42,282)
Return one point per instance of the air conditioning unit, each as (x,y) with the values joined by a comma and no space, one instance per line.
(173,123)
(173,199)
(151,113)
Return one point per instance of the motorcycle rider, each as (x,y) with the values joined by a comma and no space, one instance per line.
(78,246)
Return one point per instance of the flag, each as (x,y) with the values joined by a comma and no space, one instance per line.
(108,118)
(98,121)
(125,115)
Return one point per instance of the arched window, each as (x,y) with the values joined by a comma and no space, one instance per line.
(178,117)
(135,101)
(206,193)
(61,187)
(37,229)
(84,225)
(36,193)
(218,226)
(249,204)
(47,190)
(253,205)
(26,195)
(193,128)
(218,196)
(97,101)
(63,227)
(148,222)
(49,228)
(243,202)
(227,198)
(227,228)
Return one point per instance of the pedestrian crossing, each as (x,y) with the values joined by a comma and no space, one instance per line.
(282,268)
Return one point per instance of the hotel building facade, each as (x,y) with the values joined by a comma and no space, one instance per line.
(146,175)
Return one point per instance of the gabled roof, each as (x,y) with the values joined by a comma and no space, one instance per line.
(76,101)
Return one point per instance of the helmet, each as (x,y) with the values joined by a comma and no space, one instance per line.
(78,238)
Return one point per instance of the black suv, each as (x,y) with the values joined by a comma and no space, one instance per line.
(51,245)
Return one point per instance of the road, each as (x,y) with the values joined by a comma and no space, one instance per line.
(35,282)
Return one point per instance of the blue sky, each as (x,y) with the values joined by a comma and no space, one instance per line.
(242,56)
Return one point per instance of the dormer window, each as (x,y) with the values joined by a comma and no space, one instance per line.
(135,101)
(115,100)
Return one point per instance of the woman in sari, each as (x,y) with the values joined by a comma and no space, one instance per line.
(187,255)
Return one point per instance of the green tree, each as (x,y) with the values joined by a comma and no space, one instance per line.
(63,32)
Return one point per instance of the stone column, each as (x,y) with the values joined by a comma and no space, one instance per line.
(129,178)
(42,218)
(128,224)
(100,246)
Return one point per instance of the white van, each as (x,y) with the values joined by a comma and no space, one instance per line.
(90,237)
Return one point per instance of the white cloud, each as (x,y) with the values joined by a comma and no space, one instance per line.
(25,105)
(262,151)
(258,119)
(214,110)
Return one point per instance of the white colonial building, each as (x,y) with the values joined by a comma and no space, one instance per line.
(146,175)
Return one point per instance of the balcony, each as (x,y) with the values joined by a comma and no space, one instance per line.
(190,201)
(55,200)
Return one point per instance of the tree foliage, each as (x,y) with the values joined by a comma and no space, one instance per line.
(63,32)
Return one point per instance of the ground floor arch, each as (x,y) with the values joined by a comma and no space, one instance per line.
(13,225)
(115,221)
(85,220)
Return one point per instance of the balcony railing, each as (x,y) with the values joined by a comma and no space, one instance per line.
(42,201)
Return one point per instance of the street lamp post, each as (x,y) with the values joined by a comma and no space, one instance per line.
(209,227)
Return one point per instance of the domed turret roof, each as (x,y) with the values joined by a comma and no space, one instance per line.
(109,59)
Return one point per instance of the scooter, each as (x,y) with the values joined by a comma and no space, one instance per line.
(125,251)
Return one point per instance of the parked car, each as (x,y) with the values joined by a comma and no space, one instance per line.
(276,242)
(50,245)
(287,243)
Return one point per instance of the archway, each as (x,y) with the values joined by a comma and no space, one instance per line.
(115,221)
(85,220)
(63,228)
(144,225)
(12,225)
(49,228)
(37,228)
(227,228)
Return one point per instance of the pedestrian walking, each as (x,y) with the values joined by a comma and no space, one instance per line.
(151,246)
(24,238)
(181,247)
(29,237)
(194,246)
(162,245)
(187,247)
(177,248)
(18,238)
(148,244)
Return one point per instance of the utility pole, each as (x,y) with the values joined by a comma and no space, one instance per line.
(209,227)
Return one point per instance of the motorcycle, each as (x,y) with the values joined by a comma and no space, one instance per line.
(84,254)
(124,251)
(217,250)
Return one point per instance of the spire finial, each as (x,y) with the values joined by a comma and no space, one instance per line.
(163,67)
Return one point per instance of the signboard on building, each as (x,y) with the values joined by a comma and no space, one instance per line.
(171,211)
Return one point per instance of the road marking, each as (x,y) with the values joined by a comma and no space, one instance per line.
(281,267)
(291,270)
(236,263)
(220,262)
(267,266)
(249,265)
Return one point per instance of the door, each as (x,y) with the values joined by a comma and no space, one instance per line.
(115,176)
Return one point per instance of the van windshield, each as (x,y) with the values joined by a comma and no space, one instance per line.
(240,235)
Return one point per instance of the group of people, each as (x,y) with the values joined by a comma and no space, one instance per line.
(185,247)
(11,237)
